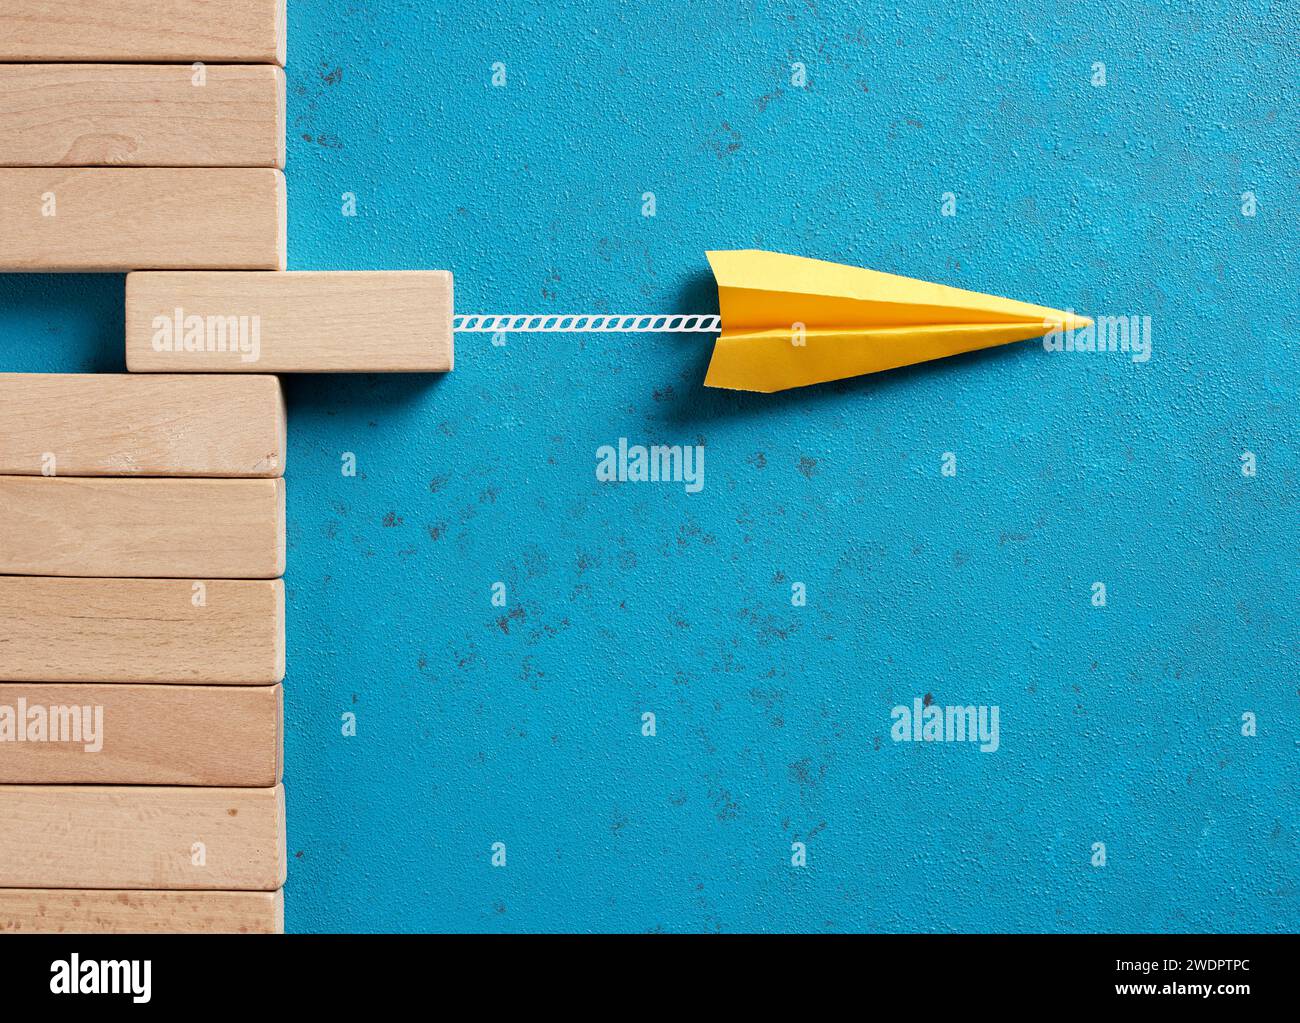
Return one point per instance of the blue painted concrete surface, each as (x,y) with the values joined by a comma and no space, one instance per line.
(522,724)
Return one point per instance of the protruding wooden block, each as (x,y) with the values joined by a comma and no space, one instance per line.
(251,31)
(81,911)
(115,424)
(141,115)
(142,528)
(396,321)
(218,631)
(76,836)
(134,218)
(95,734)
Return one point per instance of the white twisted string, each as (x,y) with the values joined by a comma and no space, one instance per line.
(588,323)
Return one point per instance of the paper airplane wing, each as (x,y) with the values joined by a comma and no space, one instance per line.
(788,321)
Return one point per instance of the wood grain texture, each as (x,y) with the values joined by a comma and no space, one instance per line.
(140,735)
(115,424)
(169,528)
(141,630)
(306,322)
(252,31)
(114,219)
(80,911)
(141,115)
(75,836)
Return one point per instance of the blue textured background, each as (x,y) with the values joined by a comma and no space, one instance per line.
(476,724)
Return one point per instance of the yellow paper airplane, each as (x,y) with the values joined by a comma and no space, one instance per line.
(788,321)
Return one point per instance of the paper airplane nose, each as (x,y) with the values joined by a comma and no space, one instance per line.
(1075,322)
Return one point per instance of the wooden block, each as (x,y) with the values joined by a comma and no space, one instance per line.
(302,322)
(141,630)
(78,836)
(252,31)
(134,218)
(91,734)
(115,424)
(80,911)
(170,528)
(141,115)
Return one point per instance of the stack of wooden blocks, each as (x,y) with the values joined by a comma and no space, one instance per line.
(142,626)
(142,647)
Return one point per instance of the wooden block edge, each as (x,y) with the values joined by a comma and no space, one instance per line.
(282,32)
(281,116)
(281,426)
